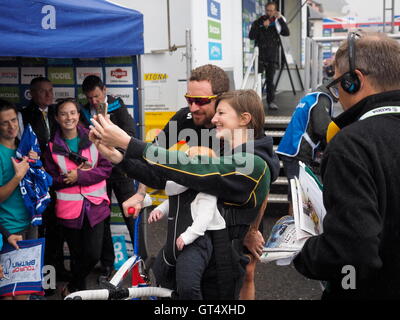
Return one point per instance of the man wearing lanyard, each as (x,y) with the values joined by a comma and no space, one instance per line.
(40,115)
(358,254)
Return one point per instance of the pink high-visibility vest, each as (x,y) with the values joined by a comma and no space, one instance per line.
(69,201)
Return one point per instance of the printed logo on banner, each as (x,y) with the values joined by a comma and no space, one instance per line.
(58,61)
(81,97)
(27,94)
(126,94)
(214,9)
(155,77)
(119,75)
(27,74)
(214,30)
(61,75)
(63,92)
(22,268)
(9,76)
(118,60)
(214,51)
(10,94)
(82,73)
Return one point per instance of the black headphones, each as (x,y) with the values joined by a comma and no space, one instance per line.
(350,82)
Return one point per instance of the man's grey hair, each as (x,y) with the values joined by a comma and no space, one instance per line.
(376,56)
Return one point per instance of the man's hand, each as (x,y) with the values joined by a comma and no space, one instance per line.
(136,201)
(278,15)
(254,242)
(12,239)
(108,133)
(20,168)
(266,23)
(110,153)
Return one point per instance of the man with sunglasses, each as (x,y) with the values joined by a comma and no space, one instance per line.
(358,255)
(192,125)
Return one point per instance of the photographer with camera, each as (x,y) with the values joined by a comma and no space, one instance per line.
(266,32)
(79,177)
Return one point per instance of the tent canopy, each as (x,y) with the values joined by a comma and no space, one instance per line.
(69,29)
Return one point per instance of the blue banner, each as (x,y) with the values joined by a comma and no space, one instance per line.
(214,9)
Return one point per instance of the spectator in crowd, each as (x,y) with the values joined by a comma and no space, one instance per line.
(238,113)
(40,115)
(358,254)
(266,32)
(79,177)
(14,217)
(123,186)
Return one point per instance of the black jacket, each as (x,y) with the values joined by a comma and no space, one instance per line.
(120,116)
(267,39)
(360,171)
(31,114)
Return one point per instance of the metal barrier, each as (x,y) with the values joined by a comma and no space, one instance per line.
(257,77)
(313,66)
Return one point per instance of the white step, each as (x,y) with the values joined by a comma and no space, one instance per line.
(281,120)
(275,133)
(281,181)
(278,198)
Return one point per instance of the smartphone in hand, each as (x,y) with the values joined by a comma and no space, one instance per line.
(101,108)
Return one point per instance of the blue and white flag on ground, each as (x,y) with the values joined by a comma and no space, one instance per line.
(22,268)
(35,185)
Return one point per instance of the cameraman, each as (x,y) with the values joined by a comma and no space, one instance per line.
(266,32)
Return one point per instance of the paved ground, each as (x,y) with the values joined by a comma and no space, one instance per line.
(272,282)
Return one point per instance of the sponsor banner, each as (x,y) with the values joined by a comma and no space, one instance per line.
(26,94)
(81,97)
(118,229)
(155,77)
(25,61)
(118,60)
(9,76)
(119,75)
(27,74)
(214,9)
(82,73)
(63,92)
(10,94)
(22,268)
(57,61)
(214,30)
(126,94)
(61,75)
(214,51)
(120,252)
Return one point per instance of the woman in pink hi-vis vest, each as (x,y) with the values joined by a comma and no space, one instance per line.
(79,179)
